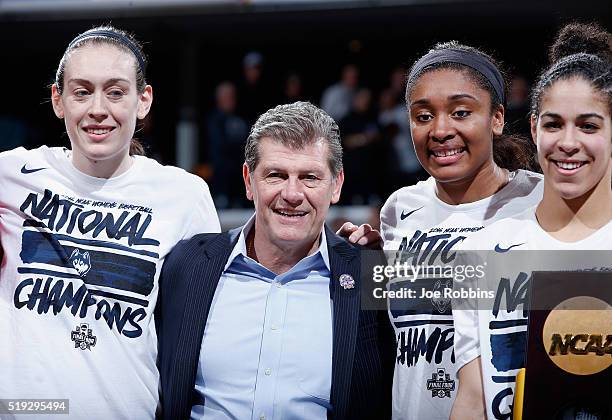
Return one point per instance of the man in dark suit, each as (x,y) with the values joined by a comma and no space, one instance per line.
(264,322)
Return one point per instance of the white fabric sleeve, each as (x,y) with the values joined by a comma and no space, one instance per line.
(9,163)
(465,311)
(204,218)
(3,165)
(388,219)
(466,340)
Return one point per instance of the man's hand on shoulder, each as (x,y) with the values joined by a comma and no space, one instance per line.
(364,235)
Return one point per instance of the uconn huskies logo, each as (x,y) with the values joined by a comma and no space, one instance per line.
(441,303)
(81,262)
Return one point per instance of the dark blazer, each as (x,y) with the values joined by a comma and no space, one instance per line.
(362,355)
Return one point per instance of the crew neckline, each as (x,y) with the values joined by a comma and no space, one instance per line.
(63,155)
(515,178)
(593,236)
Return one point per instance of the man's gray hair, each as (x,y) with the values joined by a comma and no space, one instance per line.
(295,125)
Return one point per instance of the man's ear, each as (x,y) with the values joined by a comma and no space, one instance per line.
(56,101)
(246,176)
(337,187)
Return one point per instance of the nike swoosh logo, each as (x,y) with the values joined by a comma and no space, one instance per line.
(500,249)
(25,170)
(404,215)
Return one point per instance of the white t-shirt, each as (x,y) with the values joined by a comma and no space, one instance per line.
(425,230)
(79,278)
(496,329)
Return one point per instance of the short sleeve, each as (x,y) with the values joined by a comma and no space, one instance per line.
(465,310)
(388,219)
(204,218)
(9,161)
(466,340)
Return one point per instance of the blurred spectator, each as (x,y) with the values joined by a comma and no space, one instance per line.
(254,91)
(517,112)
(293,89)
(374,218)
(227,133)
(146,136)
(337,98)
(403,167)
(397,83)
(362,156)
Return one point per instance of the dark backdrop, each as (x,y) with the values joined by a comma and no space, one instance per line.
(314,42)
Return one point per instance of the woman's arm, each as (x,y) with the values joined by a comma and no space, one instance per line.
(470,402)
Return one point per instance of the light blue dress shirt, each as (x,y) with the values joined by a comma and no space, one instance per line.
(267,347)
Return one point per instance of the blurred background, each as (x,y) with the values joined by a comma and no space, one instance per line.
(215,65)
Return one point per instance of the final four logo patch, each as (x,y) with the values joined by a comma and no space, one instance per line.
(440,384)
(83,337)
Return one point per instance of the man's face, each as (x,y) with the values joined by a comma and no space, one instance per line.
(292,191)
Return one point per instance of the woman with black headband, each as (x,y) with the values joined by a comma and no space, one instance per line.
(85,231)
(455,96)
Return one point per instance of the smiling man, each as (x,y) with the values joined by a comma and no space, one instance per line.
(264,322)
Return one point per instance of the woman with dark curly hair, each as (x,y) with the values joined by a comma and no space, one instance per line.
(571,124)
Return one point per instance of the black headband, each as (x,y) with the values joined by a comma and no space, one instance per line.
(122,39)
(468,58)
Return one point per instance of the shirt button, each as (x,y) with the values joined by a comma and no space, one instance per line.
(279,285)
(274,327)
(268,372)
(262,417)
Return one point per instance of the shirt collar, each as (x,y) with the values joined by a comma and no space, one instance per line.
(241,249)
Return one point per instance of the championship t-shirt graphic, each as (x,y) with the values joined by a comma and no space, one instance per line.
(102,244)
(79,278)
(422,231)
(496,329)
